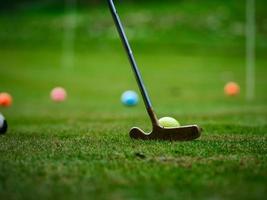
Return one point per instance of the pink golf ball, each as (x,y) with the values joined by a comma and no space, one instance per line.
(58,94)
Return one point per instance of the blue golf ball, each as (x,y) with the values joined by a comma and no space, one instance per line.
(129,98)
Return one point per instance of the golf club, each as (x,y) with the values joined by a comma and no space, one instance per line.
(158,132)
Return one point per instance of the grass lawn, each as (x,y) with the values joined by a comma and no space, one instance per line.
(81,148)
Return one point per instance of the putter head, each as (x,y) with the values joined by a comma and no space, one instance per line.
(183,133)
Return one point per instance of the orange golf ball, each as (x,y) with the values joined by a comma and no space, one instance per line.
(5,99)
(231,89)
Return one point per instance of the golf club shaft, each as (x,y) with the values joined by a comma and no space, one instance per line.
(136,71)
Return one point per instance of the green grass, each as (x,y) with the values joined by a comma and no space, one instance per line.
(81,148)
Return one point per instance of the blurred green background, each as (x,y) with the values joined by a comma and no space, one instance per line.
(186,51)
(213,28)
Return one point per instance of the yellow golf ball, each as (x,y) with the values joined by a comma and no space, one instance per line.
(169,122)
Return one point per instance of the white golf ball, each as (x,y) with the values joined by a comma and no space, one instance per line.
(3,124)
(129,98)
